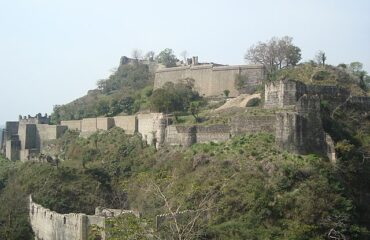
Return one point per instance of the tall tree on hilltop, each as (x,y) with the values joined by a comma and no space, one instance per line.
(275,54)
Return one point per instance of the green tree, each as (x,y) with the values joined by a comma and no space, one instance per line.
(102,108)
(226,93)
(167,58)
(173,97)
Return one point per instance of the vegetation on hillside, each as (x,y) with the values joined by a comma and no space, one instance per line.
(126,91)
(245,188)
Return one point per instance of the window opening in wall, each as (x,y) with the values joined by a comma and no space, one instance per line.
(64,220)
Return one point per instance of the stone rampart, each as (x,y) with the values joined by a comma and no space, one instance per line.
(212,133)
(283,93)
(253,124)
(211,80)
(27,135)
(180,135)
(188,135)
(48,132)
(75,125)
(301,131)
(50,225)
(151,126)
(13,147)
(127,123)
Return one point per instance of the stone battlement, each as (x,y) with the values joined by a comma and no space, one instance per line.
(38,119)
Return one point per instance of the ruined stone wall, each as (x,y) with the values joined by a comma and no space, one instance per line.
(332,93)
(253,124)
(283,93)
(152,127)
(212,133)
(210,80)
(301,131)
(72,124)
(188,135)
(127,123)
(50,225)
(180,135)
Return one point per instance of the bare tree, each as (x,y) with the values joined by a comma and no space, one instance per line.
(320,58)
(275,54)
(180,229)
(184,55)
(136,54)
(150,55)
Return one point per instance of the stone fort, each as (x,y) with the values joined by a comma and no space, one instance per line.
(296,124)
(210,79)
(297,127)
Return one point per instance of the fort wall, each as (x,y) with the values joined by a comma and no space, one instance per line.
(152,127)
(47,224)
(253,124)
(48,132)
(283,93)
(188,135)
(72,124)
(127,123)
(50,225)
(13,147)
(211,80)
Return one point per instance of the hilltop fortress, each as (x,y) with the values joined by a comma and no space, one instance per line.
(210,79)
(290,111)
(295,122)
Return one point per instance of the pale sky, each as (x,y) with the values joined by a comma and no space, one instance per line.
(54,51)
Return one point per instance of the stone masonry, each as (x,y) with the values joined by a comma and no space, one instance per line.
(25,138)
(210,80)
(50,225)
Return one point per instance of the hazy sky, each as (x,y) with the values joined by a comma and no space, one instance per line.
(53,51)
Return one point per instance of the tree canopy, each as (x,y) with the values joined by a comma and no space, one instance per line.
(277,53)
(167,58)
(174,97)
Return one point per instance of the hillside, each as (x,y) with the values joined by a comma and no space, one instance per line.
(124,92)
(244,188)
(254,190)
